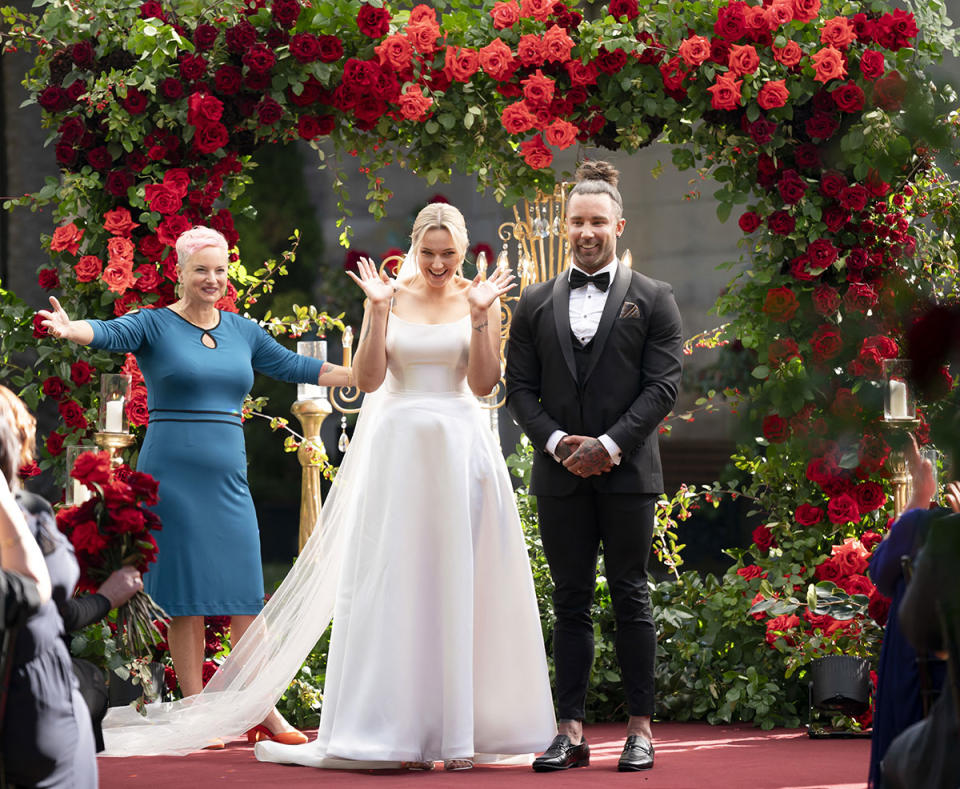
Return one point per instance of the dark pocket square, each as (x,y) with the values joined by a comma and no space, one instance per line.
(629,310)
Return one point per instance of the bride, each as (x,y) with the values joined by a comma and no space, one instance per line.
(436,651)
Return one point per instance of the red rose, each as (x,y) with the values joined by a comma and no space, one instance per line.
(610,61)
(373,22)
(843,509)
(694,50)
(461,63)
(120,250)
(791,187)
(88,268)
(848,97)
(870,539)
(331,49)
(836,218)
(751,571)
(54,443)
(556,45)
(55,387)
(118,277)
(309,127)
(878,607)
(780,304)
(822,253)
(742,60)
(497,60)
(779,627)
(896,30)
(781,223)
(538,89)
(731,22)
(782,350)
(873,453)
(776,429)
(749,221)
(870,497)
(808,515)
(850,558)
(623,8)
(148,279)
(517,118)
(773,94)
(87,538)
(66,238)
(211,138)
(259,58)
(136,407)
(268,111)
(838,32)
(561,134)
(821,125)
(118,222)
(789,55)
(48,278)
(763,538)
(889,91)
(285,12)
(536,154)
(832,183)
(829,570)
(192,67)
(859,297)
(825,343)
(80,373)
(505,14)
(53,99)
(871,64)
(725,93)
(162,199)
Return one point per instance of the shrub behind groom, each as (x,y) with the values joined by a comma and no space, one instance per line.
(593,367)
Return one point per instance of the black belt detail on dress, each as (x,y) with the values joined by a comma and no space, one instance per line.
(195,421)
(191,411)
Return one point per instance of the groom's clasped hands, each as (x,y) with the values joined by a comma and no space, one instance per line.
(583,456)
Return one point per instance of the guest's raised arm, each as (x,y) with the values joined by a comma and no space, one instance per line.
(58,323)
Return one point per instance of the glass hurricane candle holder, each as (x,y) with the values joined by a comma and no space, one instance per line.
(114,392)
(75,492)
(898,401)
(316,349)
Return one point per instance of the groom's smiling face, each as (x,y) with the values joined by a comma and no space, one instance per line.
(593,224)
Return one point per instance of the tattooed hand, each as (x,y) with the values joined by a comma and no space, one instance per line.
(589,457)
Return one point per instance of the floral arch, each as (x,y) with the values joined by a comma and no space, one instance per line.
(813,117)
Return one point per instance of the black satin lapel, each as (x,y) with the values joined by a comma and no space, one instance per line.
(561,319)
(618,292)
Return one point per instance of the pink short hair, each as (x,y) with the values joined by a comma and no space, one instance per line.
(197,238)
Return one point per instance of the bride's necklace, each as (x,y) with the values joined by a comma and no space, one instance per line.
(208,320)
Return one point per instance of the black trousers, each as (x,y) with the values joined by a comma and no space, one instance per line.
(573,529)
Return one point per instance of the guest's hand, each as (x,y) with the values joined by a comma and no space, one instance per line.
(55,320)
(483,292)
(378,287)
(922,475)
(590,457)
(121,585)
(953,496)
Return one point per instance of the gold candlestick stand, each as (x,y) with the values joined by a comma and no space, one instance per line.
(113,443)
(899,430)
(311,414)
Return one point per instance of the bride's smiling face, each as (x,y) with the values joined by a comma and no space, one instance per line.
(438,258)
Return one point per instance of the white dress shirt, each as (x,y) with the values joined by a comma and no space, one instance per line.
(586,308)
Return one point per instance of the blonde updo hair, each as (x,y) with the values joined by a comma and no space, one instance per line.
(18,434)
(197,238)
(440,216)
(595,178)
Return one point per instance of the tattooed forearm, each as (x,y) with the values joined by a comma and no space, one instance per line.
(481,327)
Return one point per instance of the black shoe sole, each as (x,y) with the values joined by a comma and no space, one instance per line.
(628,768)
(554,768)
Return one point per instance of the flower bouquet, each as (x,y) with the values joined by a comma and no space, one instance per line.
(111,530)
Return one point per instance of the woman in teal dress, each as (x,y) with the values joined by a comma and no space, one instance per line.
(198,365)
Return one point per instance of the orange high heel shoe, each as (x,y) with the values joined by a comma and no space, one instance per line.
(261,732)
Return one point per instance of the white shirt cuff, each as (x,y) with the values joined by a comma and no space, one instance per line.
(552,442)
(612,449)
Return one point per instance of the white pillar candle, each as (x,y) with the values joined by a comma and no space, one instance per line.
(113,421)
(898,400)
(80,492)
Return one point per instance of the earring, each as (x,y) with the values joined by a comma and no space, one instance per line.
(179,289)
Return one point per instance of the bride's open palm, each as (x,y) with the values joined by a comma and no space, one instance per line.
(377,286)
(483,292)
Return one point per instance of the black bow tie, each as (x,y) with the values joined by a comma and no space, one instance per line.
(578,279)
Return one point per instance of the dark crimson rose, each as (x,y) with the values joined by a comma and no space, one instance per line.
(826,300)
(177,180)
(228,79)
(871,64)
(127,302)
(859,297)
(751,571)
(776,429)
(762,130)
(854,198)
(82,54)
(211,138)
(610,62)
(203,109)
(821,253)
(627,8)
(71,129)
(719,51)
(259,58)
(305,47)
(731,24)
(863,26)
(889,91)
(373,22)
(162,199)
(136,407)
(240,36)
(331,49)
(791,187)
(749,222)
(80,373)
(48,278)
(99,158)
(53,99)
(135,161)
(873,453)
(143,486)
(896,30)
(780,304)
(55,387)
(781,223)
(835,218)
(782,350)
(285,12)
(832,183)
(827,571)
(869,496)
(76,89)
(269,111)
(151,248)
(72,414)
(848,97)
(148,279)
(171,89)
(192,67)
(135,102)
(878,607)
(870,539)
(204,37)
(807,156)
(151,9)
(54,443)
(845,404)
(821,126)
(309,127)
(808,515)
(825,343)
(763,538)
(843,509)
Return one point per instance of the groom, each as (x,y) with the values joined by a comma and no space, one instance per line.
(593,365)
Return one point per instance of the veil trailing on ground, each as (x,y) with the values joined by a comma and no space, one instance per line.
(257,672)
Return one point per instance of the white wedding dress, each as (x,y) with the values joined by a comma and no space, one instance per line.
(436,650)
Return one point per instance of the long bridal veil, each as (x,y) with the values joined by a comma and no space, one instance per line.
(257,672)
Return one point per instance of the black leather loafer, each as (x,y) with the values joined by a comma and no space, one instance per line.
(562,755)
(637,754)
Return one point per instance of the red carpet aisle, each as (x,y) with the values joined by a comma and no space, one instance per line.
(688,755)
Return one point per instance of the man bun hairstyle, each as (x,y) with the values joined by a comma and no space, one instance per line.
(596,177)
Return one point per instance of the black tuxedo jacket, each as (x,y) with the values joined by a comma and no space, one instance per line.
(630,385)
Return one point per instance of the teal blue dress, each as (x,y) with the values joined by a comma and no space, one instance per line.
(209,547)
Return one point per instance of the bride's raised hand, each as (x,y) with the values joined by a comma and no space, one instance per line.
(377,286)
(483,292)
(55,320)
